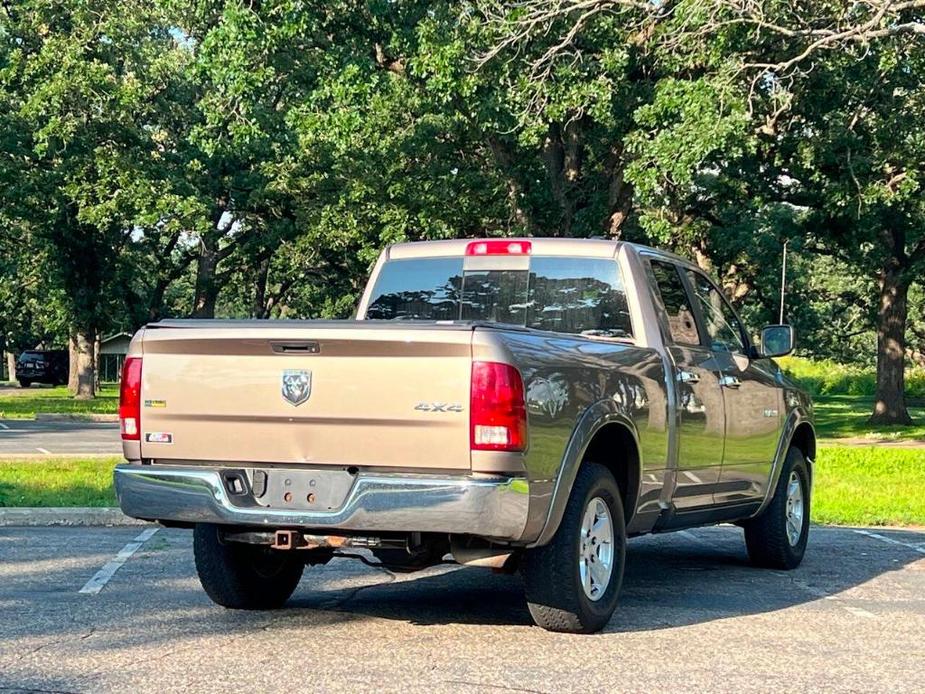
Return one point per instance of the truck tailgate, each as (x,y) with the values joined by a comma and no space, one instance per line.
(370,395)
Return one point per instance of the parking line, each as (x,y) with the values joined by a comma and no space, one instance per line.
(102,577)
(3,426)
(43,450)
(892,541)
(824,595)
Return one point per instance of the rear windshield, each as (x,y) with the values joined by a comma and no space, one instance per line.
(31,357)
(569,295)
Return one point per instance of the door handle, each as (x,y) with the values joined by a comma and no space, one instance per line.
(688,377)
(730,382)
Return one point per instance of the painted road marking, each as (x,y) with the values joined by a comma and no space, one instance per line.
(817,592)
(3,426)
(43,450)
(892,541)
(102,577)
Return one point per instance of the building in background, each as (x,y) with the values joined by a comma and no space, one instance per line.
(112,353)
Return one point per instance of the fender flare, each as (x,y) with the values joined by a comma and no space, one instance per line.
(602,413)
(797,418)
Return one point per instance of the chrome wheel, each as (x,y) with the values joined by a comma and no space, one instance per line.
(795,509)
(596,551)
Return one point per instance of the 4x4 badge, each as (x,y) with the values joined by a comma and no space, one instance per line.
(296,385)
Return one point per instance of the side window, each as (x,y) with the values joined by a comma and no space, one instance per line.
(681,321)
(579,296)
(721,323)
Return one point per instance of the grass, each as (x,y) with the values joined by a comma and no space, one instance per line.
(854,485)
(57,482)
(866,485)
(25,404)
(827,377)
(845,416)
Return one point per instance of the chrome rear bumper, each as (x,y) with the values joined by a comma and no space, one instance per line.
(492,507)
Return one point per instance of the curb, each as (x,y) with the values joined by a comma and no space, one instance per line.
(89,417)
(33,517)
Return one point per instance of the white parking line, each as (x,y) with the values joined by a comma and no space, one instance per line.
(43,450)
(823,595)
(892,541)
(102,577)
(3,426)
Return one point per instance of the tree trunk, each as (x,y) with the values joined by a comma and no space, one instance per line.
(890,398)
(72,363)
(259,308)
(554,158)
(10,366)
(97,348)
(206,288)
(86,378)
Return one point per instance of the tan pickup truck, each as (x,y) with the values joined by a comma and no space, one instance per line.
(514,403)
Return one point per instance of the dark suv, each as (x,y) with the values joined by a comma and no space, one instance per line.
(50,366)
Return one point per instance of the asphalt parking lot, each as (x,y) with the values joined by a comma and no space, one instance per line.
(38,437)
(694,617)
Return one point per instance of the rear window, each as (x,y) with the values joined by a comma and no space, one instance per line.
(569,295)
(30,357)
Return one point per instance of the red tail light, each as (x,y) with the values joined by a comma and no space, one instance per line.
(498,414)
(499,247)
(130,399)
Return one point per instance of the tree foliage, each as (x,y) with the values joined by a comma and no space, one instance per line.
(241,158)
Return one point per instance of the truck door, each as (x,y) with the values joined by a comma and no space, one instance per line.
(701,410)
(750,392)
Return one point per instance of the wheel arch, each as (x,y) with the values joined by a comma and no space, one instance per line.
(604,435)
(799,432)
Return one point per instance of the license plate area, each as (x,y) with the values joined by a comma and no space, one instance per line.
(303,490)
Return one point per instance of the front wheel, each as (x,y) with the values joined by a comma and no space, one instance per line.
(777,538)
(572,583)
(244,577)
(24,383)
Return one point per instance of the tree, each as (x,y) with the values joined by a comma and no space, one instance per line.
(80,88)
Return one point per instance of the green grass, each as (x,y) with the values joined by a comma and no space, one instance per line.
(854,485)
(868,485)
(826,377)
(845,416)
(57,482)
(26,404)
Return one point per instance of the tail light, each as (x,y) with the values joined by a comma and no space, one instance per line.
(130,399)
(499,247)
(498,414)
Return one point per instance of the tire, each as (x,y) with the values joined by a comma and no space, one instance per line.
(769,542)
(556,596)
(243,577)
(24,383)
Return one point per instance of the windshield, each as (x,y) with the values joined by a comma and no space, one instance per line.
(569,295)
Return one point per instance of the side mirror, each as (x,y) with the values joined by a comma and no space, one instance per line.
(776,340)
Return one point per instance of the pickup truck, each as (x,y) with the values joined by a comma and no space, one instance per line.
(520,404)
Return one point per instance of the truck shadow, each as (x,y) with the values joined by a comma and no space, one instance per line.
(670,581)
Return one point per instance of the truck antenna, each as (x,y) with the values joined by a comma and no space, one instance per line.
(783,281)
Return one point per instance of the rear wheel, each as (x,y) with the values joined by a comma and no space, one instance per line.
(777,538)
(572,583)
(244,577)
(24,383)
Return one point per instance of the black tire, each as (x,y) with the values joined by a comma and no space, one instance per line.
(24,383)
(766,536)
(552,581)
(244,577)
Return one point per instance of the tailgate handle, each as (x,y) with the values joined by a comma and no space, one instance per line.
(296,347)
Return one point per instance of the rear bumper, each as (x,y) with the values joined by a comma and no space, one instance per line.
(491,507)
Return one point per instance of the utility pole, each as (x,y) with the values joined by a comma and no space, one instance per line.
(783,281)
